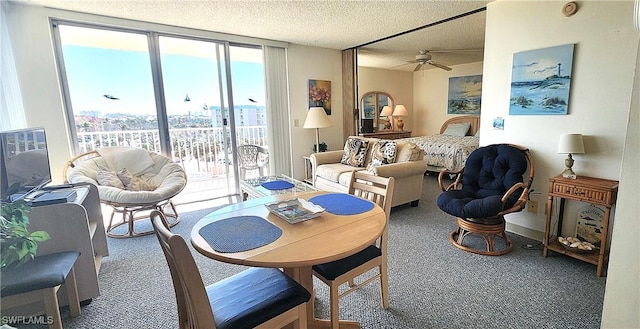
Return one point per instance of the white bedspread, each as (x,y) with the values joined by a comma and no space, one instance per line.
(444,151)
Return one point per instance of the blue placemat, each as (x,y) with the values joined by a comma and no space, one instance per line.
(277,185)
(342,204)
(241,233)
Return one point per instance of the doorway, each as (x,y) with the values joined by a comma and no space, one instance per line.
(169,94)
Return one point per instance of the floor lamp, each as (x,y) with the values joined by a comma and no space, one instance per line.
(317,118)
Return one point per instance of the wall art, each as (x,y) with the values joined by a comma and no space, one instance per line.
(465,94)
(320,94)
(540,81)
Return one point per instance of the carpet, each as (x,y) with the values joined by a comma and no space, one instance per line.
(431,283)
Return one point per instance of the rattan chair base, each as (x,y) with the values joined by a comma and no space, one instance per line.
(489,232)
(132,213)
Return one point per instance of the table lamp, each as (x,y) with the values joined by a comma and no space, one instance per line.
(317,118)
(400,111)
(570,144)
(387,112)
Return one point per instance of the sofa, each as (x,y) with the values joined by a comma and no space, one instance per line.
(387,158)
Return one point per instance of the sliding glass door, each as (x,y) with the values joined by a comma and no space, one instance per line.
(169,94)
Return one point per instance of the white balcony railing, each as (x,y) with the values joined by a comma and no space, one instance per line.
(199,150)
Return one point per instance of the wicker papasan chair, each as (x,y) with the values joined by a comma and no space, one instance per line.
(132,181)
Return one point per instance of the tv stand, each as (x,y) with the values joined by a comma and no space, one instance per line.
(74,225)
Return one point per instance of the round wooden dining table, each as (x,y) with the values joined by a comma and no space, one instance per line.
(319,240)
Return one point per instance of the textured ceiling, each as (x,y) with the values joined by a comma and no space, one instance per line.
(328,24)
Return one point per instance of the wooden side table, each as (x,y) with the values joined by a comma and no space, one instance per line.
(387,134)
(596,191)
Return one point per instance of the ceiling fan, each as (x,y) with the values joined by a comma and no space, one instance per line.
(424,57)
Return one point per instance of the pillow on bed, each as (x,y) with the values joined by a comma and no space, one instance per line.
(457,129)
(355,152)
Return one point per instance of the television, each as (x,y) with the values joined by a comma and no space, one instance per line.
(24,163)
(366,126)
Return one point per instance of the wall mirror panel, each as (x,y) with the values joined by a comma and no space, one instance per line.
(371,105)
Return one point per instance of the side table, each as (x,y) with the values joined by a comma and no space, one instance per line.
(596,191)
(308,170)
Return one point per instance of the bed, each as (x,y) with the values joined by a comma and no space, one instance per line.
(446,152)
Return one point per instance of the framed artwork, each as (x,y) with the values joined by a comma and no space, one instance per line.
(320,94)
(540,81)
(465,94)
(498,123)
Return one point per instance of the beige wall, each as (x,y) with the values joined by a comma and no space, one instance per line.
(326,65)
(398,84)
(622,294)
(600,101)
(430,90)
(42,98)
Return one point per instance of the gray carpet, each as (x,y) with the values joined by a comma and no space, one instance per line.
(432,283)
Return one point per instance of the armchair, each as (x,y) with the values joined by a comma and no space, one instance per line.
(488,187)
(253,157)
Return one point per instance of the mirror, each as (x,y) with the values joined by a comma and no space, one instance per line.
(372,104)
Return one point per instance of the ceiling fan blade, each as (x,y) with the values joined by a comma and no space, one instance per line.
(417,67)
(467,50)
(446,68)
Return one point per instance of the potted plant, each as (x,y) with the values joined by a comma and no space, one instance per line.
(17,244)
(323,147)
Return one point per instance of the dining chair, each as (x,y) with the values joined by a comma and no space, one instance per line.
(253,298)
(380,191)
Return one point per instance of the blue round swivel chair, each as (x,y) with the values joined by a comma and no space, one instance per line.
(495,181)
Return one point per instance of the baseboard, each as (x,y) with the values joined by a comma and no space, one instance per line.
(524,231)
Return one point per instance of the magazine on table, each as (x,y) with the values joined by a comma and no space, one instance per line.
(295,210)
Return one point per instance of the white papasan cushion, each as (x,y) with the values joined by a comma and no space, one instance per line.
(168,176)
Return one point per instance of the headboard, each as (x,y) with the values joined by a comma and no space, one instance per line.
(473,120)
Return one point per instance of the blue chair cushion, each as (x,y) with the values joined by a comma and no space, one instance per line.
(488,173)
(45,271)
(253,296)
(332,270)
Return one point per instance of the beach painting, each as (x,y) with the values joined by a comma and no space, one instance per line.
(465,95)
(540,81)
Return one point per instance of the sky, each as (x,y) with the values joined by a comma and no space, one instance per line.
(126,74)
(536,65)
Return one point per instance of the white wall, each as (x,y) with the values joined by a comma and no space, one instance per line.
(600,94)
(621,298)
(431,94)
(31,38)
(398,84)
(605,60)
(319,64)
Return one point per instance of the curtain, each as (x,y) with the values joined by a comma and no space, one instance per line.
(278,111)
(11,108)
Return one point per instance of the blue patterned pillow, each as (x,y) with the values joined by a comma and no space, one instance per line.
(355,152)
(383,152)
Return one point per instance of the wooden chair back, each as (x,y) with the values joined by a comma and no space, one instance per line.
(194,310)
(376,189)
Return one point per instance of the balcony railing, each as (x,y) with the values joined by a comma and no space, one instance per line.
(201,151)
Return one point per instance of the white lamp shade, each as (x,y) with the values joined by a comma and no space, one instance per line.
(317,118)
(400,111)
(571,144)
(386,111)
